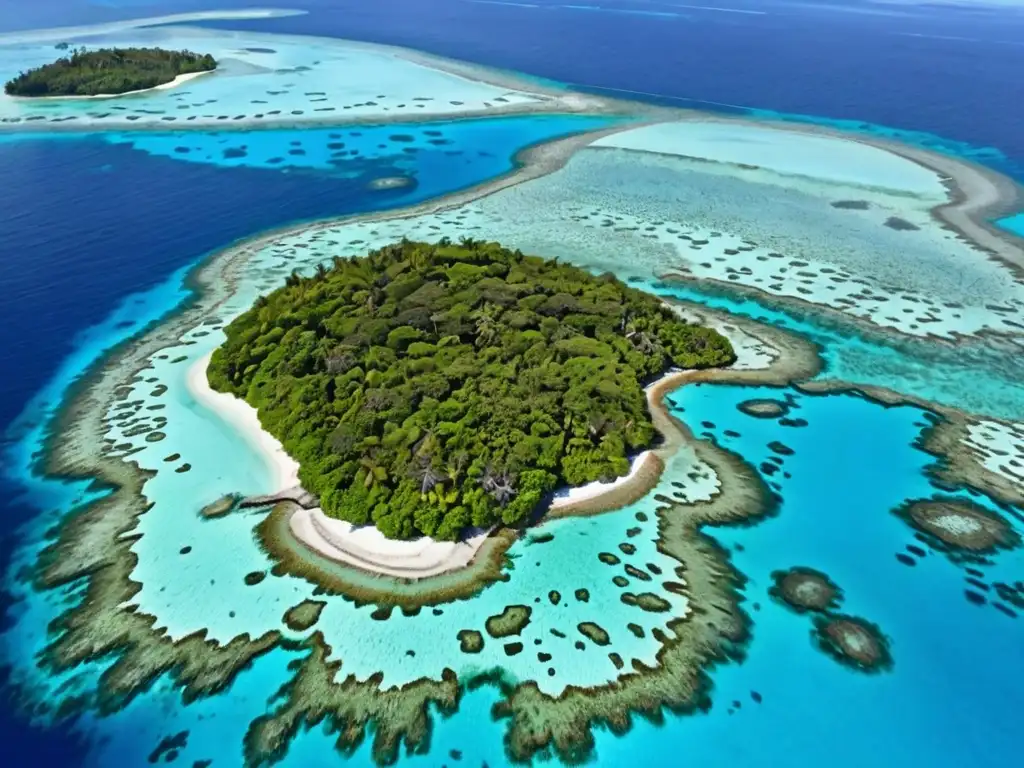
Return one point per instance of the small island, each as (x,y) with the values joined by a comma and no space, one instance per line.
(433,388)
(108,72)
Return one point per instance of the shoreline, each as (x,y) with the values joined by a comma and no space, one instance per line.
(93,549)
(243,418)
(179,80)
(366,548)
(543,99)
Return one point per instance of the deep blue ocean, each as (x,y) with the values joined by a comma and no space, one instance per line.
(85,223)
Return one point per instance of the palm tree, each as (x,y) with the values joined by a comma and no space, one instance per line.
(375,473)
(487,328)
(457,465)
(425,474)
(501,485)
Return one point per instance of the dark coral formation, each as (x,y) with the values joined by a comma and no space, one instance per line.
(805,589)
(853,641)
(594,632)
(510,621)
(301,617)
(648,601)
(763,408)
(220,507)
(959,527)
(395,716)
(470,641)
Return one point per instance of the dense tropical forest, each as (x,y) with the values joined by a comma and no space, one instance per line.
(108,71)
(427,388)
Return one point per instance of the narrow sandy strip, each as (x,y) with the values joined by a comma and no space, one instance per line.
(179,80)
(284,470)
(366,548)
(595,490)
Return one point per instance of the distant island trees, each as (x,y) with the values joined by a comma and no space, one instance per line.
(108,71)
(427,388)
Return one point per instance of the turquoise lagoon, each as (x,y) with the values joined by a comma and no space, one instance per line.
(951,697)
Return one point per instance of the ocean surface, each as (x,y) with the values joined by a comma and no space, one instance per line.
(97,235)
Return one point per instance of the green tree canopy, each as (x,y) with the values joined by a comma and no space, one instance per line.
(108,70)
(426,388)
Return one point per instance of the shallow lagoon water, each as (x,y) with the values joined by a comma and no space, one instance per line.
(265,79)
(813,529)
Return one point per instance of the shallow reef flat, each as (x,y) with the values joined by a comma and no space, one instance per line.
(267,80)
(591,618)
(729,232)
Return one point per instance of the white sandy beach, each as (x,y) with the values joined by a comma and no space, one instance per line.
(179,80)
(243,417)
(593,490)
(366,548)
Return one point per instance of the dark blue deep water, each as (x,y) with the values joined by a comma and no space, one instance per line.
(85,223)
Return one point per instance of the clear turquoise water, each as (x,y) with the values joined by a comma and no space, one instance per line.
(951,696)
(1014,224)
(473,148)
(949,699)
(949,376)
(853,463)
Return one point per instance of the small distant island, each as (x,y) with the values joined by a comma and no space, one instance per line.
(108,71)
(430,388)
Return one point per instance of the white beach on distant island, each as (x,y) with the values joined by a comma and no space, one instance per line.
(179,80)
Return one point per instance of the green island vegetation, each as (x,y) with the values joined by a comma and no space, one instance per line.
(427,388)
(108,71)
